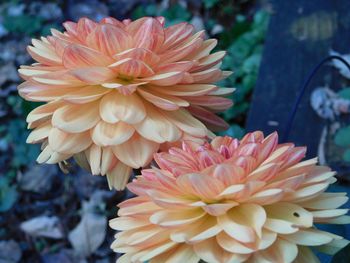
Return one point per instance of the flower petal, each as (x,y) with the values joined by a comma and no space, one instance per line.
(76,56)
(93,75)
(163,101)
(186,122)
(145,55)
(136,152)
(109,39)
(85,94)
(165,79)
(142,29)
(118,177)
(76,118)
(128,108)
(107,134)
(131,67)
(156,127)
(69,143)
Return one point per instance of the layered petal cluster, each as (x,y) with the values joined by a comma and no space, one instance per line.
(115,91)
(252,200)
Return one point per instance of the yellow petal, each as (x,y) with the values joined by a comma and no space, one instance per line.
(235,230)
(69,143)
(183,253)
(326,201)
(132,67)
(107,134)
(109,39)
(40,133)
(76,118)
(203,186)
(136,152)
(166,102)
(196,232)
(86,94)
(280,226)
(142,54)
(76,56)
(108,160)
(184,120)
(93,75)
(94,157)
(174,218)
(309,237)
(156,127)
(165,79)
(127,223)
(291,213)
(210,251)
(118,176)
(128,108)
(188,90)
(231,245)
(280,251)
(44,111)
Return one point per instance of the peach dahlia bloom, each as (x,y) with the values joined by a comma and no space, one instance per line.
(117,90)
(252,200)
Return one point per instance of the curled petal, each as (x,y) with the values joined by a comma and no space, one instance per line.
(76,118)
(128,108)
(137,152)
(107,134)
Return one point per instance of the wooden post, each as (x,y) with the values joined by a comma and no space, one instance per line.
(301,33)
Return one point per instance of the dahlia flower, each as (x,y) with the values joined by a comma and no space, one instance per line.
(115,91)
(252,200)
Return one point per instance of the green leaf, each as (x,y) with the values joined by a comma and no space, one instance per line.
(141,11)
(343,256)
(234,131)
(261,19)
(24,24)
(251,64)
(344,93)
(346,155)
(210,3)
(8,195)
(249,82)
(342,137)
(176,14)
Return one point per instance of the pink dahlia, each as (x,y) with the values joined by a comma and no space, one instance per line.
(115,91)
(252,200)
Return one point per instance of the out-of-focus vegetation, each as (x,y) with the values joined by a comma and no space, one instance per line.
(342,136)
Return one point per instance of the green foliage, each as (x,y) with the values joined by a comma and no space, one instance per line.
(342,137)
(343,256)
(344,93)
(24,24)
(244,43)
(346,155)
(210,3)
(234,131)
(8,195)
(16,135)
(175,14)
(148,10)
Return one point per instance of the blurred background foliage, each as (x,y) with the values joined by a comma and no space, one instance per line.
(39,200)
